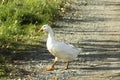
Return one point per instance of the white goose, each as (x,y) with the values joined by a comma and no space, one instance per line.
(60,50)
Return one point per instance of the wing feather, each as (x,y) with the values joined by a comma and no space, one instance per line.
(64,51)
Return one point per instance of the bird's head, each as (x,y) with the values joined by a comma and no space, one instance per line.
(44,28)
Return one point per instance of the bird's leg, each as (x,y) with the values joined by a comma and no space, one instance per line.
(67,64)
(50,68)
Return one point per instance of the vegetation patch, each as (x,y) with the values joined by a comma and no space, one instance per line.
(19,24)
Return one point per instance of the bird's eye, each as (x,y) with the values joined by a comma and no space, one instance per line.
(44,28)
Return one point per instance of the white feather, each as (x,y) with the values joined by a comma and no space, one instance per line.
(63,51)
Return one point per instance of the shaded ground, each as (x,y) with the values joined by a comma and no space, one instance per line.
(94,26)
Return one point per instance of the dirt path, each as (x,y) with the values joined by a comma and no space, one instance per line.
(94,26)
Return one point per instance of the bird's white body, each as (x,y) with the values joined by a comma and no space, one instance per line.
(61,51)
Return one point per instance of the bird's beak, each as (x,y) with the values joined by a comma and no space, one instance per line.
(41,30)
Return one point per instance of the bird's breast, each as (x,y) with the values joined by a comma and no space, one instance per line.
(49,47)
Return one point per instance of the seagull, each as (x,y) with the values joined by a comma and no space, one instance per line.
(62,51)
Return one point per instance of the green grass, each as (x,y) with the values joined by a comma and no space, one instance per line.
(20,21)
(23,18)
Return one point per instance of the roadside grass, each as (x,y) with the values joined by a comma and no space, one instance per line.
(19,24)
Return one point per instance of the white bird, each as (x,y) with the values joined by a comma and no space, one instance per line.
(61,51)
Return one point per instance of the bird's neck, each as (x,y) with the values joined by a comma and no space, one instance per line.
(50,36)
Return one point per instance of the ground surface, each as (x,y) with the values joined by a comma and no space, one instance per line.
(94,26)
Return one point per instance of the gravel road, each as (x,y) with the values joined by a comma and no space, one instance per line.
(94,26)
